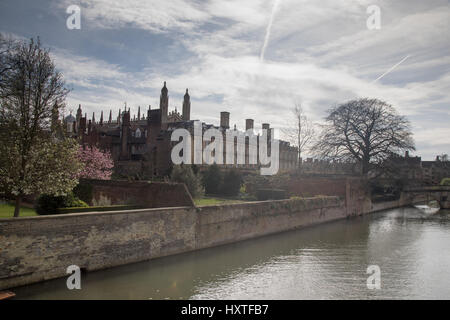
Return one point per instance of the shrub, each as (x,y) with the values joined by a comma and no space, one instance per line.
(184,174)
(232,182)
(212,179)
(445,182)
(99,208)
(83,191)
(49,204)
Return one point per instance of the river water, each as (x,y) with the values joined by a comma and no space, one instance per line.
(327,261)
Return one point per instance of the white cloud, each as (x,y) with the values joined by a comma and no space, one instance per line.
(319,52)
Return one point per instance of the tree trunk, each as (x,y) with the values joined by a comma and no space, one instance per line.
(17,207)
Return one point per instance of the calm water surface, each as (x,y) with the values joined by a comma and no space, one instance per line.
(322,262)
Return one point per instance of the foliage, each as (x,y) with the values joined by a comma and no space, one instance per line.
(445,182)
(97,164)
(367,131)
(34,155)
(98,208)
(212,179)
(184,174)
(48,204)
(50,167)
(232,181)
(83,191)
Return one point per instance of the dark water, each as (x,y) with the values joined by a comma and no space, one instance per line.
(322,262)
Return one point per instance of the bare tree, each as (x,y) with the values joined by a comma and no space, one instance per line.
(367,131)
(32,92)
(300,131)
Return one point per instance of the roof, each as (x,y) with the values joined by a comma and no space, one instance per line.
(70,118)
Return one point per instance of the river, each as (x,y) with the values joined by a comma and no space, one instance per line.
(326,261)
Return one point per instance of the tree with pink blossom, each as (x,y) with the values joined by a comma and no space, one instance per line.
(97,164)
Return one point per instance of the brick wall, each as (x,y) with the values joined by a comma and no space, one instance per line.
(147,194)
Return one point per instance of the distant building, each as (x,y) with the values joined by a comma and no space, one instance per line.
(435,171)
(414,171)
(141,146)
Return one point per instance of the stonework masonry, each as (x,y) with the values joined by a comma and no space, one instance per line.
(39,248)
(34,249)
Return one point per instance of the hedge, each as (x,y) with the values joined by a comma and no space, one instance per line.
(98,208)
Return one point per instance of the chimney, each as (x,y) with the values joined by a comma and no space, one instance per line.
(248,124)
(225,120)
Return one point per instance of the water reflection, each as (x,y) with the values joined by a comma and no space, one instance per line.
(323,262)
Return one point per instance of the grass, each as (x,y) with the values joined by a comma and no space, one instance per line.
(7,211)
(208,201)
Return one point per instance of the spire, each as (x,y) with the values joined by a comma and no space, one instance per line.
(93,117)
(139,113)
(101,118)
(186,106)
(164,103)
(110,116)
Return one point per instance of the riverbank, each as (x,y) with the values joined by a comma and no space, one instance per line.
(41,248)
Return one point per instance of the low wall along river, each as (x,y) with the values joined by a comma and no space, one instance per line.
(34,249)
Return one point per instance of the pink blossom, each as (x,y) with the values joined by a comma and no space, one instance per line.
(98,164)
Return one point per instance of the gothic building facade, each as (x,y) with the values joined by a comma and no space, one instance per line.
(141,146)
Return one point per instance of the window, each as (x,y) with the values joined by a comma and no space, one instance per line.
(138,133)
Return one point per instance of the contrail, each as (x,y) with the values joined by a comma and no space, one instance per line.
(392,68)
(269,27)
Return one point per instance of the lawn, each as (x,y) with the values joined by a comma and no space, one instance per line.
(7,211)
(208,201)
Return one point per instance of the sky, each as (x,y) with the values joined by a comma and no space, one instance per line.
(255,59)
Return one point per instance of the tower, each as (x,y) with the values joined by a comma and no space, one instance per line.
(187,106)
(164,103)
(78,117)
(124,155)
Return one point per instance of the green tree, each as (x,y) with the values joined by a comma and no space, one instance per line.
(185,174)
(34,156)
(212,179)
(232,181)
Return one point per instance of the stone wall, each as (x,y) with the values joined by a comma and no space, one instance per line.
(34,249)
(40,248)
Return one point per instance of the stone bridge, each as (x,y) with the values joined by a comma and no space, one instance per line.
(428,193)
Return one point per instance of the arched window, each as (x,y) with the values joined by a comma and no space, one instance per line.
(138,133)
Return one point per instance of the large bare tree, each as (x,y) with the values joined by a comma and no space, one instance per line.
(300,130)
(33,159)
(367,131)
